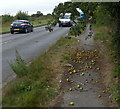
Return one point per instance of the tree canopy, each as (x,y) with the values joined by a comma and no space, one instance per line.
(22,15)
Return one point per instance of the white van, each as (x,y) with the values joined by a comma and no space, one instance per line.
(65,20)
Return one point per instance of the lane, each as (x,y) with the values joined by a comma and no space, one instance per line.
(29,46)
(9,36)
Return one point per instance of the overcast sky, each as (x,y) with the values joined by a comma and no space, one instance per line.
(32,6)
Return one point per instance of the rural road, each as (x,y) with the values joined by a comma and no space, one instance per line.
(28,45)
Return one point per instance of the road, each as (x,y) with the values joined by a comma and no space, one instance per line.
(29,46)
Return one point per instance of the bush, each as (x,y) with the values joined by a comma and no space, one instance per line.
(22,15)
(19,67)
(7,18)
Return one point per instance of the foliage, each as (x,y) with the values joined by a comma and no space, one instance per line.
(70,7)
(77,29)
(101,33)
(108,14)
(38,14)
(22,15)
(102,17)
(7,18)
(50,25)
(19,67)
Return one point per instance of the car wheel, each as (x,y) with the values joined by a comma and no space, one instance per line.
(31,30)
(60,25)
(26,30)
(12,32)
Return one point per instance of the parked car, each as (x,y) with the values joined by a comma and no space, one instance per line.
(21,26)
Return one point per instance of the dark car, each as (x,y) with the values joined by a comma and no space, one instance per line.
(21,26)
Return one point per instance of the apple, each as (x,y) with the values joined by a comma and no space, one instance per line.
(81,88)
(70,73)
(74,71)
(96,81)
(103,91)
(71,103)
(97,68)
(90,67)
(70,89)
(92,60)
(67,79)
(82,74)
(78,85)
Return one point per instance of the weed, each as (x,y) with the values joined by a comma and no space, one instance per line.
(66,56)
(19,67)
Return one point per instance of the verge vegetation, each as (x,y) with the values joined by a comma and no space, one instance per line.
(107,35)
(40,84)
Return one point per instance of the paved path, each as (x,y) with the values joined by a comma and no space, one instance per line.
(90,95)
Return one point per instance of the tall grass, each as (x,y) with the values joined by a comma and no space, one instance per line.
(103,33)
(19,67)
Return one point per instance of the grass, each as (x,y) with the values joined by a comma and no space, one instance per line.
(5,27)
(43,20)
(101,33)
(41,85)
(112,77)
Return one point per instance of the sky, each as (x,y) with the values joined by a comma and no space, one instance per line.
(31,6)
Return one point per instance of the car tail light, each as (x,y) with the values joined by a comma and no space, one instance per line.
(22,25)
(11,25)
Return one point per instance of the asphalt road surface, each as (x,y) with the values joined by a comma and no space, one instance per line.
(29,46)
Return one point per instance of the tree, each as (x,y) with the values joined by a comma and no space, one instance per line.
(38,14)
(70,7)
(22,15)
(48,14)
(7,18)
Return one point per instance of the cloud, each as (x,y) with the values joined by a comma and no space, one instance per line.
(13,6)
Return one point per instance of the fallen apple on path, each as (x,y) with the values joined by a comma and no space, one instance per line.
(71,103)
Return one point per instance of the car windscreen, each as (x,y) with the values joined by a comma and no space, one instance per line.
(17,23)
(65,17)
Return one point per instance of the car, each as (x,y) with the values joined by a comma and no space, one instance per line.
(21,26)
(65,20)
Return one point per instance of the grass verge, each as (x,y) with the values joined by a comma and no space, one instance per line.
(111,68)
(42,83)
(102,33)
